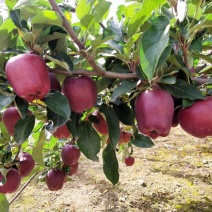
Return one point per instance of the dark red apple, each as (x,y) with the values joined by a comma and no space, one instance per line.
(62,132)
(10,117)
(55,179)
(101,126)
(73,169)
(13,181)
(70,154)
(196,119)
(129,160)
(55,85)
(81,93)
(28,76)
(154,111)
(27,164)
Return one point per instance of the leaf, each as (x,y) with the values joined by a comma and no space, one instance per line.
(112,123)
(142,141)
(204,57)
(168,79)
(22,106)
(82,8)
(183,89)
(87,21)
(23,128)
(5,100)
(123,88)
(164,55)
(37,151)
(153,43)
(58,103)
(124,113)
(89,142)
(101,9)
(47,17)
(143,15)
(10,3)
(110,164)
(4,204)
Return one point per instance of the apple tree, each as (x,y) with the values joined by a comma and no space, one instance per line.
(75,80)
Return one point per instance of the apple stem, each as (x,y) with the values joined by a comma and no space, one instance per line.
(19,149)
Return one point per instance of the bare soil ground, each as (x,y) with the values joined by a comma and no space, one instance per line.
(175,175)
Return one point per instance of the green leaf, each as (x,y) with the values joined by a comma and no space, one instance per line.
(23,129)
(142,15)
(153,43)
(58,103)
(183,89)
(89,142)
(37,151)
(123,88)
(112,123)
(87,21)
(110,164)
(101,9)
(47,17)
(204,57)
(22,106)
(168,79)
(124,113)
(10,3)
(164,55)
(6,100)
(142,141)
(82,8)
(4,204)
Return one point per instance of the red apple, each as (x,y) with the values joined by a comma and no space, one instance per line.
(196,119)
(62,132)
(129,160)
(81,93)
(154,111)
(27,164)
(101,126)
(73,169)
(55,85)
(10,118)
(125,138)
(28,76)
(70,154)
(55,179)
(13,181)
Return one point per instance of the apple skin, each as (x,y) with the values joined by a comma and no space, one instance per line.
(55,179)
(100,127)
(196,119)
(27,164)
(28,76)
(13,181)
(125,137)
(55,85)
(62,132)
(10,117)
(154,111)
(73,169)
(129,160)
(70,154)
(81,93)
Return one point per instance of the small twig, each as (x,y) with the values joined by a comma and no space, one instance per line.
(30,179)
(19,149)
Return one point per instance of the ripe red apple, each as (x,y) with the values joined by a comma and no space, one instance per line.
(10,117)
(196,119)
(129,160)
(73,169)
(55,179)
(62,132)
(154,110)
(27,164)
(101,126)
(13,177)
(28,76)
(81,93)
(55,85)
(70,154)
(125,138)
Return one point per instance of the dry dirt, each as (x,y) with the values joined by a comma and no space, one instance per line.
(175,175)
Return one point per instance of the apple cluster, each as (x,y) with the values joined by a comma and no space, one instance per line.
(55,178)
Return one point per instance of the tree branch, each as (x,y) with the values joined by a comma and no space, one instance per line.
(97,70)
